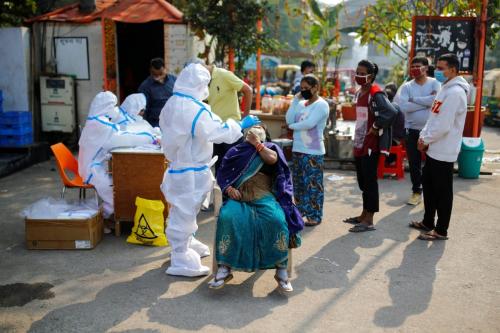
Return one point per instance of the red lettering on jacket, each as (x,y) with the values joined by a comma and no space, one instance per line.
(436,105)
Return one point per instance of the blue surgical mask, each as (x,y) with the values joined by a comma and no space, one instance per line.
(439,75)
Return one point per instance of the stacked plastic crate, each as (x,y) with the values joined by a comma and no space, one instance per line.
(15,127)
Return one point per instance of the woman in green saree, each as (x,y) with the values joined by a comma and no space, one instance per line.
(258,222)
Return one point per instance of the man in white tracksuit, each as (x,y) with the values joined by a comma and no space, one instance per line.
(189,131)
(441,139)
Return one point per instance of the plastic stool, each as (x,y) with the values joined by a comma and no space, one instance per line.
(398,167)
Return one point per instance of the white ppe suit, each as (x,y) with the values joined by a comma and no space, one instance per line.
(189,131)
(101,134)
(133,104)
(130,121)
(92,156)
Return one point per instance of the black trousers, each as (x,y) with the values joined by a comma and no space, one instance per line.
(437,180)
(414,159)
(366,172)
(221,149)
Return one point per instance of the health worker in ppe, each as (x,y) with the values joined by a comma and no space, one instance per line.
(189,130)
(92,156)
(131,112)
(132,109)
(134,130)
(101,134)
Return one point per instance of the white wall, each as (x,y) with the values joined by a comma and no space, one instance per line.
(176,47)
(181,45)
(85,89)
(15,68)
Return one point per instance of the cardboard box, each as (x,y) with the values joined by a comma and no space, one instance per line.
(64,234)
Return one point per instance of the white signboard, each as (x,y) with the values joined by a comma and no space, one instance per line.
(72,56)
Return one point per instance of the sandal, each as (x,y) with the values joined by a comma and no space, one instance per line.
(352,220)
(311,223)
(418,225)
(219,283)
(431,237)
(283,285)
(362,228)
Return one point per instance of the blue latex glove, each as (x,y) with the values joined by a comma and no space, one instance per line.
(249,121)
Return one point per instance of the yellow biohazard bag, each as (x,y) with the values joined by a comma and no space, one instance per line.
(149,224)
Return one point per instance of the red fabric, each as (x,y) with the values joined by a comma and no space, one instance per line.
(370,141)
(374,89)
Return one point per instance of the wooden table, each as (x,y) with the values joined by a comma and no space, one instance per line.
(135,173)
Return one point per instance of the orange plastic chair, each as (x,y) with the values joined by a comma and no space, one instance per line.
(67,162)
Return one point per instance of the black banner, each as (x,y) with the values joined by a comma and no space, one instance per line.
(434,36)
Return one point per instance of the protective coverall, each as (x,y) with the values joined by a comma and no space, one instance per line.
(101,134)
(132,105)
(99,128)
(189,131)
(131,121)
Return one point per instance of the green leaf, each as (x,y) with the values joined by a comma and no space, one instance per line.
(333,15)
(313,4)
(316,34)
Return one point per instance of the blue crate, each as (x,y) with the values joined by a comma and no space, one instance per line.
(15,117)
(15,129)
(16,140)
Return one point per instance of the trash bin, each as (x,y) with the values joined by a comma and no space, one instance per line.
(470,158)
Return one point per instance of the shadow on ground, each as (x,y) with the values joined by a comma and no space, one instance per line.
(331,267)
(227,308)
(111,306)
(411,284)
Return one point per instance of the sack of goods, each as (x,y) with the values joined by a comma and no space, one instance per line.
(149,224)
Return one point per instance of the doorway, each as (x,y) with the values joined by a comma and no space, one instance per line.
(138,43)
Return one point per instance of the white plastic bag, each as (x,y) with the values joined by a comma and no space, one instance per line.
(51,209)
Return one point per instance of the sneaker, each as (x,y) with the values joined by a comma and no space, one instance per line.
(415,199)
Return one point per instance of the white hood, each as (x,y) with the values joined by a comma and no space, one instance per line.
(457,81)
(134,103)
(193,81)
(104,104)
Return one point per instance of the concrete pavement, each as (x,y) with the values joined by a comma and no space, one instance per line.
(379,281)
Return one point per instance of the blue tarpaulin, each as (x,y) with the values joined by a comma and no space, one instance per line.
(266,61)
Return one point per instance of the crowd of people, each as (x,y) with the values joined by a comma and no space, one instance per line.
(267,203)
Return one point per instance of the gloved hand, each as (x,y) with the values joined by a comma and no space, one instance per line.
(249,121)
